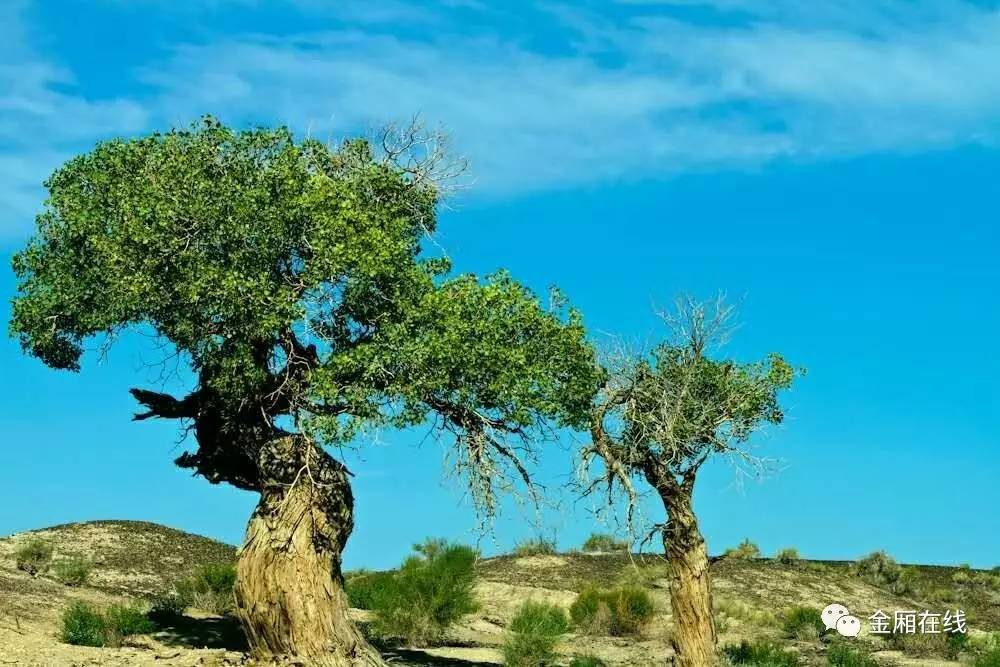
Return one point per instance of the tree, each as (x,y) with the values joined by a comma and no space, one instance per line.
(658,418)
(290,277)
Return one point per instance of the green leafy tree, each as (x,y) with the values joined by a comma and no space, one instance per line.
(290,277)
(658,419)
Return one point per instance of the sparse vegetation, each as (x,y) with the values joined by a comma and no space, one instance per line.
(82,625)
(789,556)
(760,654)
(842,655)
(880,569)
(619,612)
(430,592)
(729,608)
(210,588)
(538,546)
(86,625)
(72,572)
(533,634)
(605,543)
(34,556)
(166,608)
(922,645)
(803,623)
(587,661)
(745,550)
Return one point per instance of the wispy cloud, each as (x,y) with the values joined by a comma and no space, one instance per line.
(584,94)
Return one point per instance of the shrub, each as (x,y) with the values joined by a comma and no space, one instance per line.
(82,625)
(538,546)
(730,608)
(603,542)
(746,550)
(86,625)
(34,556)
(72,572)
(879,569)
(961,578)
(619,612)
(533,634)
(122,621)
(166,608)
(210,588)
(842,655)
(587,661)
(788,556)
(432,590)
(803,623)
(760,654)
(990,658)
(364,588)
(943,645)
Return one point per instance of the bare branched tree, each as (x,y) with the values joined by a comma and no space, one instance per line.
(658,418)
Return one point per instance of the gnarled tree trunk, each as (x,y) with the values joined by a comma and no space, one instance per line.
(289,589)
(693,636)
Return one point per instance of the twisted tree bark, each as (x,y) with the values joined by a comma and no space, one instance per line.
(289,589)
(693,637)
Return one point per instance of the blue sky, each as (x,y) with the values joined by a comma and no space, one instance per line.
(833,164)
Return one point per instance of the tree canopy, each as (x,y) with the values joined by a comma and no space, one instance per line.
(292,277)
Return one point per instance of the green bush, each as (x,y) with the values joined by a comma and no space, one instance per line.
(787,556)
(880,569)
(746,550)
(921,645)
(538,546)
(364,588)
(842,655)
(122,621)
(760,654)
(803,623)
(86,625)
(34,556)
(587,661)
(619,612)
(603,542)
(990,658)
(72,572)
(210,588)
(429,593)
(82,625)
(533,634)
(166,608)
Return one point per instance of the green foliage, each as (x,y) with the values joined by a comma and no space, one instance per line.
(730,608)
(880,569)
(209,588)
(33,556)
(431,591)
(166,608)
(941,645)
(73,571)
(365,588)
(86,625)
(125,621)
(538,546)
(604,542)
(787,556)
(533,634)
(989,658)
(746,550)
(587,661)
(242,249)
(803,623)
(82,625)
(760,653)
(619,612)
(840,654)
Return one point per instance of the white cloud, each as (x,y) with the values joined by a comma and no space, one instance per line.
(630,95)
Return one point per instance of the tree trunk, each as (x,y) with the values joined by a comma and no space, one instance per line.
(289,589)
(693,636)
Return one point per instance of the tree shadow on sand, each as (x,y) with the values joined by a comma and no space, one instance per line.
(213,632)
(417,657)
